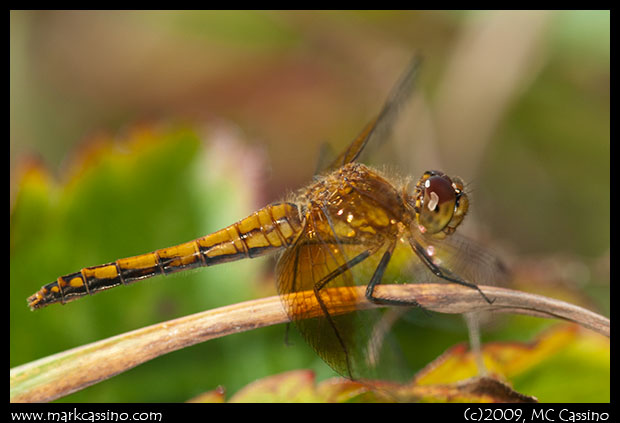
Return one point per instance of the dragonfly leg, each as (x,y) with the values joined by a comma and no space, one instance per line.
(439,272)
(376,279)
(321,284)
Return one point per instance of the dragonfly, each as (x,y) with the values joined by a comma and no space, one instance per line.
(351,226)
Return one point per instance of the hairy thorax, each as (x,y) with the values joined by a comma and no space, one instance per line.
(354,202)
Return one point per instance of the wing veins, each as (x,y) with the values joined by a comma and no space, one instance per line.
(380,127)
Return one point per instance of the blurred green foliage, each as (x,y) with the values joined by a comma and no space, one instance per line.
(154,190)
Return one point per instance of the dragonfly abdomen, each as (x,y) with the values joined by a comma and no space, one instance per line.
(267,230)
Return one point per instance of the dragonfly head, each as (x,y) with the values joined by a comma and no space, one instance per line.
(440,203)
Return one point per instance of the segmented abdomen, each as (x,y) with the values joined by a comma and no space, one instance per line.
(269,229)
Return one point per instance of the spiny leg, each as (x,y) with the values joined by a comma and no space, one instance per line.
(378,276)
(437,271)
(296,264)
(338,271)
(324,281)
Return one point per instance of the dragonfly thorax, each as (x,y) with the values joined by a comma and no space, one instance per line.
(356,201)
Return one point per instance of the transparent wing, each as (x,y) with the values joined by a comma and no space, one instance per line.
(349,343)
(458,256)
(378,130)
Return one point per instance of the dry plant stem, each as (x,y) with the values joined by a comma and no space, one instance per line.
(63,373)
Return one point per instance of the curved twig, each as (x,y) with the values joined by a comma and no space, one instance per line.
(61,374)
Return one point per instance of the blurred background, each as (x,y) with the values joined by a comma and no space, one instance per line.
(132,131)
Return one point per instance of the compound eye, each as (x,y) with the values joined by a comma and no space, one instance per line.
(438,204)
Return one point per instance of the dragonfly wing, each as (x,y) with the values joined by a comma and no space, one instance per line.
(326,157)
(459,256)
(350,343)
(380,128)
